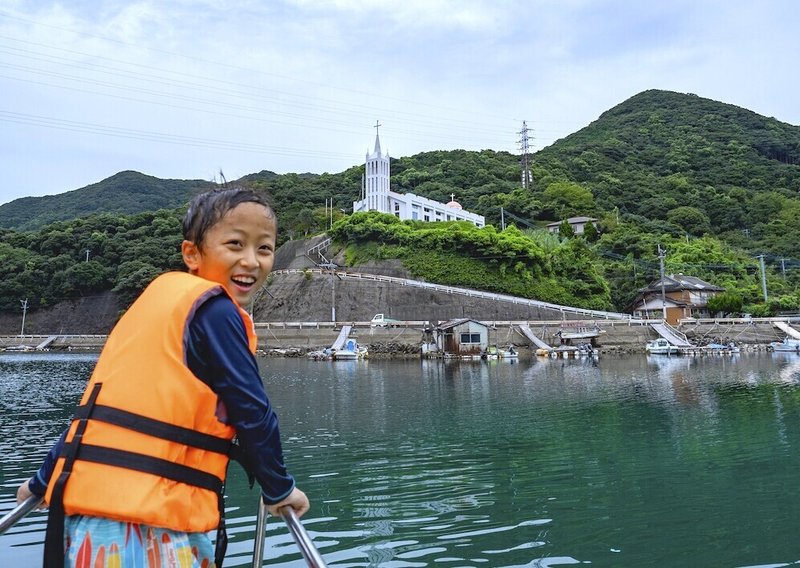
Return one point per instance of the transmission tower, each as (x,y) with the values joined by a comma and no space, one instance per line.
(524,148)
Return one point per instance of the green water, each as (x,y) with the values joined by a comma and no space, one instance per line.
(625,462)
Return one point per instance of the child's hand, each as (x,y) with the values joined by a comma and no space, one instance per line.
(297,500)
(24,492)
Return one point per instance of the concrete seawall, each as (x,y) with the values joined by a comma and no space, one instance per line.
(625,336)
(617,336)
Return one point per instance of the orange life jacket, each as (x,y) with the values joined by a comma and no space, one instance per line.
(146,445)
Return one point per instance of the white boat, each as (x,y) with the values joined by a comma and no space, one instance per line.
(496,353)
(788,344)
(580,333)
(661,346)
(349,351)
(723,347)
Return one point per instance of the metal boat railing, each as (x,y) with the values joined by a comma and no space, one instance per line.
(12,517)
(298,532)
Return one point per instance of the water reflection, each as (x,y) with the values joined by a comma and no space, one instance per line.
(621,461)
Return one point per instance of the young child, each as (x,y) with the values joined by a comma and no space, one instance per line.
(138,477)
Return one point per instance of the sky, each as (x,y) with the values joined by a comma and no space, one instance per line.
(201,89)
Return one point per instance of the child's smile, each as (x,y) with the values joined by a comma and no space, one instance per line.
(237,252)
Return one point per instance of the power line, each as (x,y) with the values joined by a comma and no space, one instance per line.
(250,90)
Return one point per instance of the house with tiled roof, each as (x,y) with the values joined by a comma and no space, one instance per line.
(578,224)
(678,295)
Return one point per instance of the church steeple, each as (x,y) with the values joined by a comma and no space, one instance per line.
(377,138)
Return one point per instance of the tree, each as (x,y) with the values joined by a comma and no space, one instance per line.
(690,219)
(726,302)
(566,230)
(567,199)
(590,233)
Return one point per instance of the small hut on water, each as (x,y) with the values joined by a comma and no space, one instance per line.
(461,338)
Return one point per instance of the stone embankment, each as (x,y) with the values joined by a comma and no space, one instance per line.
(617,336)
(299,338)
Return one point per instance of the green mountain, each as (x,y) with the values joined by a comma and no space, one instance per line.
(127,193)
(675,162)
(711,183)
(696,165)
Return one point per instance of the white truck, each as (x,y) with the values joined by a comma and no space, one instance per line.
(379,320)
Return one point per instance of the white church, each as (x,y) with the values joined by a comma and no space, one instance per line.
(377,197)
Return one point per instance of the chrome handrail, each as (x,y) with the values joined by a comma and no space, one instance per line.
(12,517)
(301,537)
(310,553)
(261,528)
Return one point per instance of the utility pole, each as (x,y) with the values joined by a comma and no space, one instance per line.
(87,255)
(24,311)
(661,256)
(502,220)
(763,277)
(525,147)
(783,268)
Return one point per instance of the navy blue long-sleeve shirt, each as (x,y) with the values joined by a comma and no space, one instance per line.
(218,354)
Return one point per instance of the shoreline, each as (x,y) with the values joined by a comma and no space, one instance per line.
(295,339)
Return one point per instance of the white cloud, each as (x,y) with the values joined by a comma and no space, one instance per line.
(296,85)
(473,15)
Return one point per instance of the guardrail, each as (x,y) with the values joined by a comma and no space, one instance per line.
(456,290)
(335,325)
(710,321)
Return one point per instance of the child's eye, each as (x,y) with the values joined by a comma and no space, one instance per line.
(235,243)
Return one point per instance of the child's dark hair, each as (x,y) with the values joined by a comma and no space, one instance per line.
(206,209)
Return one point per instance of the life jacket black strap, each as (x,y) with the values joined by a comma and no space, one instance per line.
(54,537)
(148,464)
(75,449)
(221,544)
(156,428)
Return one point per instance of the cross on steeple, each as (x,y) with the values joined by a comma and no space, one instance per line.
(377,137)
(452,197)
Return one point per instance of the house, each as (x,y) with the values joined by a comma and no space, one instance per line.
(461,338)
(684,297)
(376,196)
(578,224)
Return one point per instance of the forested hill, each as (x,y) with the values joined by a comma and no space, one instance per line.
(124,193)
(686,163)
(712,184)
(670,162)
(698,164)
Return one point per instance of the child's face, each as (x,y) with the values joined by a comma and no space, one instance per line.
(237,252)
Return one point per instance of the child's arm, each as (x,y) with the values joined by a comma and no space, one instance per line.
(37,485)
(219,355)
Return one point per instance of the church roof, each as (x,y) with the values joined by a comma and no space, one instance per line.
(453,204)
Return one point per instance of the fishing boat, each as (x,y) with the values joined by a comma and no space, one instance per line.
(350,351)
(787,345)
(661,346)
(723,347)
(580,333)
(496,353)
